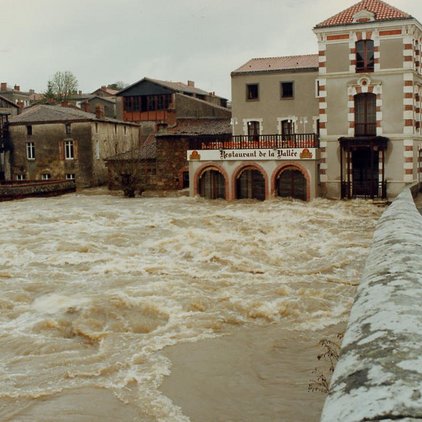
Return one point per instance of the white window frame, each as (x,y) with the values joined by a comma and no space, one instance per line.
(246,124)
(30,150)
(69,149)
(45,176)
(70,176)
(20,177)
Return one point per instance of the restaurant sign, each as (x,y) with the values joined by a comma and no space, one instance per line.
(252,154)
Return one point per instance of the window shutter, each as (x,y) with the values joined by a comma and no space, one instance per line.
(75,149)
(61,150)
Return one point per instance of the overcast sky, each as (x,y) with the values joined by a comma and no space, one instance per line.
(104,41)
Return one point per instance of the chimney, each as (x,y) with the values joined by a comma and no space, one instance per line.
(3,86)
(85,106)
(162,126)
(191,84)
(99,112)
(17,88)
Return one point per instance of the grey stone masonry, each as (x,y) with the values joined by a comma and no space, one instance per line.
(18,190)
(379,373)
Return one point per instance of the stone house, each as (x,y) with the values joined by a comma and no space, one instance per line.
(106,104)
(342,123)
(7,109)
(170,115)
(53,142)
(161,163)
(103,97)
(16,95)
(153,100)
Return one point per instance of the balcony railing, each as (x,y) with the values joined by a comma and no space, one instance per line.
(299,140)
(364,189)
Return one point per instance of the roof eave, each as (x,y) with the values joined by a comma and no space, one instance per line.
(395,21)
(265,71)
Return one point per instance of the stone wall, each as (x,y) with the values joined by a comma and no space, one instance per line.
(18,190)
(379,373)
(171,162)
(191,107)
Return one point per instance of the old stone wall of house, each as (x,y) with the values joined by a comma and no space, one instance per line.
(109,139)
(12,111)
(171,162)
(191,107)
(108,107)
(48,141)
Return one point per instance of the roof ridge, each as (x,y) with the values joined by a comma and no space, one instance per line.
(284,57)
(381,10)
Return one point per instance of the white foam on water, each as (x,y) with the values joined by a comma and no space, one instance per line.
(93,287)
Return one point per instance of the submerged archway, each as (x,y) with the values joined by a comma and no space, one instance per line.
(212,185)
(250,184)
(291,183)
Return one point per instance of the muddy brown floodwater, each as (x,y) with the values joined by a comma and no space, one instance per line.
(172,309)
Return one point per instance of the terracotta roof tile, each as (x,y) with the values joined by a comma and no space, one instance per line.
(268,64)
(381,10)
(51,113)
(196,127)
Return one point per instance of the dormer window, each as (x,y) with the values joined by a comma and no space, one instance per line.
(363,16)
(365,56)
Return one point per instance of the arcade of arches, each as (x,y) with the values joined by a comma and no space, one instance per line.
(251,183)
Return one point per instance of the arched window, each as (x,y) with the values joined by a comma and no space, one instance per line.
(291,183)
(365,56)
(250,184)
(365,115)
(212,185)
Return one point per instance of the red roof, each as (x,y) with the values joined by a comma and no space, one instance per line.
(381,10)
(267,64)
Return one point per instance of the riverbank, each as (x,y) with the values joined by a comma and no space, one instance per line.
(251,374)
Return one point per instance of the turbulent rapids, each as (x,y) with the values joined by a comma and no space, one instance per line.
(94,287)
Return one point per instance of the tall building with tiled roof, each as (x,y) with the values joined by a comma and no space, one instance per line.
(342,123)
(365,11)
(369,107)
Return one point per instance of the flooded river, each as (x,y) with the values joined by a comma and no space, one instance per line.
(94,288)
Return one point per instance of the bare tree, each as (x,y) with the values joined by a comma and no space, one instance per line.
(132,170)
(61,87)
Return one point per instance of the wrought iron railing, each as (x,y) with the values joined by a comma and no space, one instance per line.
(364,189)
(299,140)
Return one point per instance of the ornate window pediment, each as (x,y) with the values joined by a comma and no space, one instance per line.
(363,16)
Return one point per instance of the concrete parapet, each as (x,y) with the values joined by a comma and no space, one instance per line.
(379,373)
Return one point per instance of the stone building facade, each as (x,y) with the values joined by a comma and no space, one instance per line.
(161,163)
(52,142)
(170,115)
